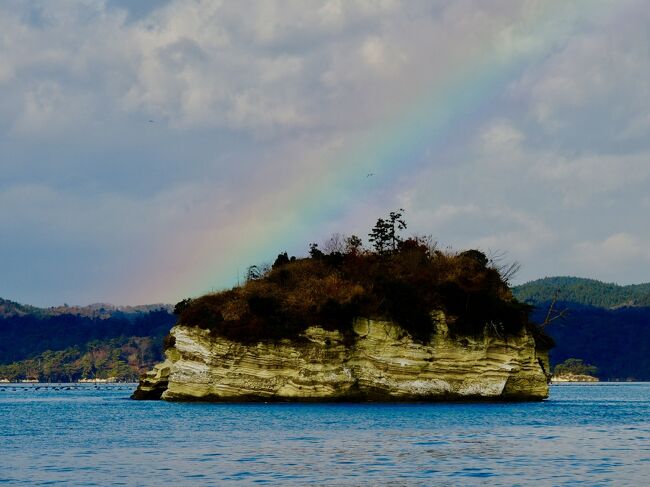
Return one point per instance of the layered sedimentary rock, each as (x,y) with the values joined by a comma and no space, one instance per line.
(379,362)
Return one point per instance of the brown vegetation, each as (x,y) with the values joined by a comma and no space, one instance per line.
(404,284)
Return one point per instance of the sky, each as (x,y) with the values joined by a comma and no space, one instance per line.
(153,150)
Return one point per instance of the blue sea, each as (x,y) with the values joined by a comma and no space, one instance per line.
(590,434)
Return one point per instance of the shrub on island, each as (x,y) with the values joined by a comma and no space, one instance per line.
(403,280)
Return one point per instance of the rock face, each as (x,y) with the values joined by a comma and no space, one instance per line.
(381,363)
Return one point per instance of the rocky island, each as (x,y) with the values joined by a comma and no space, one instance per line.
(574,370)
(400,322)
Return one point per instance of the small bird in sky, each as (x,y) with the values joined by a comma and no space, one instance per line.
(151,121)
(370,174)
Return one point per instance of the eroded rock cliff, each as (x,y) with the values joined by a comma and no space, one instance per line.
(380,362)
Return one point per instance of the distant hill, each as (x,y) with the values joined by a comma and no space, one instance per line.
(583,291)
(11,308)
(617,341)
(97,310)
(71,342)
(606,324)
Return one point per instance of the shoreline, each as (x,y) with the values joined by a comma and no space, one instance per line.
(59,384)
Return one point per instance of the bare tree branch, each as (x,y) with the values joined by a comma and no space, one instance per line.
(549,314)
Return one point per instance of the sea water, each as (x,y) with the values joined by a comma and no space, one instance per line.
(590,434)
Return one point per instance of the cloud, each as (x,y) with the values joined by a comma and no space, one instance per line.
(257,108)
(616,248)
(101,241)
(592,90)
(49,110)
(488,228)
(617,252)
(500,143)
(583,178)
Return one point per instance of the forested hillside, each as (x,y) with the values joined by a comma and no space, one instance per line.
(69,343)
(588,292)
(617,341)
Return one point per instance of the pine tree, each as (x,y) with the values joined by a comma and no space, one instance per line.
(385,234)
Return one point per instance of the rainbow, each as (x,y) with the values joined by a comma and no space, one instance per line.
(432,115)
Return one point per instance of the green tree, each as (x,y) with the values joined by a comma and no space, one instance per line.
(280,260)
(315,252)
(181,305)
(353,244)
(385,235)
(395,225)
(575,366)
(379,236)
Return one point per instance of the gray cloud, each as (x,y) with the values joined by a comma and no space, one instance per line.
(252,102)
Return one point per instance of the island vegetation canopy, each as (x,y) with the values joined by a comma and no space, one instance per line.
(396,278)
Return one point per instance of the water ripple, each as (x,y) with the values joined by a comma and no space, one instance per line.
(593,435)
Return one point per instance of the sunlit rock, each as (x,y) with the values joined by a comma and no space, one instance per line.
(380,362)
